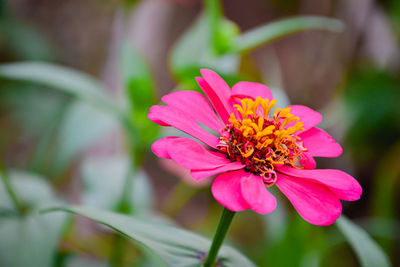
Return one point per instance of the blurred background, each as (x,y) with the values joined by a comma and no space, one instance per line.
(78,77)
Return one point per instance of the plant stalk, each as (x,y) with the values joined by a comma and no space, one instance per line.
(214,14)
(223,226)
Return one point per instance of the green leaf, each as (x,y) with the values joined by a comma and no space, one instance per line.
(83,125)
(104,179)
(194,51)
(64,79)
(30,239)
(226,34)
(271,31)
(92,125)
(175,246)
(368,252)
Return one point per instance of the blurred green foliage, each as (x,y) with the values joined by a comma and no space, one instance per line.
(372,99)
(16,34)
(64,113)
(28,238)
(175,246)
(140,89)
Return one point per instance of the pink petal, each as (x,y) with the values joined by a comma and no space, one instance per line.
(190,154)
(307,161)
(196,105)
(160,147)
(170,117)
(314,202)
(217,91)
(256,195)
(220,87)
(226,189)
(251,90)
(342,184)
(231,166)
(320,144)
(309,117)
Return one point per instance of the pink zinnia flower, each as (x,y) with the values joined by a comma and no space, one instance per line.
(255,149)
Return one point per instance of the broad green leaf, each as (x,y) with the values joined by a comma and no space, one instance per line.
(32,189)
(82,126)
(104,180)
(381,227)
(367,251)
(175,246)
(61,78)
(274,30)
(194,51)
(30,239)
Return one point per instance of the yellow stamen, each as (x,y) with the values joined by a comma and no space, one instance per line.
(261,141)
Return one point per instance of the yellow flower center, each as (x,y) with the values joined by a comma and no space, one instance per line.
(260,140)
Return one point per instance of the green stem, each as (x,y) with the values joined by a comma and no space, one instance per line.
(118,251)
(219,237)
(13,196)
(214,15)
